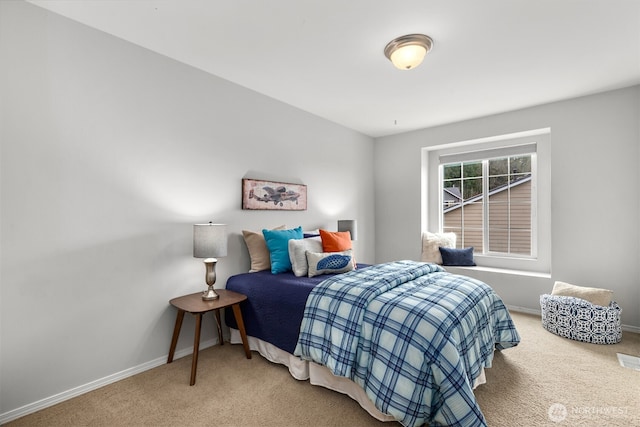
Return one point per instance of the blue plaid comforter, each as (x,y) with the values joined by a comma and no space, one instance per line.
(413,336)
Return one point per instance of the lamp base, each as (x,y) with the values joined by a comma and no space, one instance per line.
(210,294)
(210,279)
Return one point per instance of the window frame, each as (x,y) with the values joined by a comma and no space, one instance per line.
(432,215)
(484,158)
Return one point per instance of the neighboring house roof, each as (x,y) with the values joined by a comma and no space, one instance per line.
(479,197)
(451,195)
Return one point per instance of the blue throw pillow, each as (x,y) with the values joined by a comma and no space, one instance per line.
(278,245)
(457,257)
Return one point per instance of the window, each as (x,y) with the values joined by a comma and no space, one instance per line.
(494,193)
(488,203)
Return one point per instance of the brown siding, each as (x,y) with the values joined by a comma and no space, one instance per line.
(498,221)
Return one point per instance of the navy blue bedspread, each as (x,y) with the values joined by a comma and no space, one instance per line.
(275,305)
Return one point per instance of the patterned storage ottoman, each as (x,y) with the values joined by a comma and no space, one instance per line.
(579,320)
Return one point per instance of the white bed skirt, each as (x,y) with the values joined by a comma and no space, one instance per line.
(318,374)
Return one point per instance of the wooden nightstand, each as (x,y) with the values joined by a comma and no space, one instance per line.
(194,304)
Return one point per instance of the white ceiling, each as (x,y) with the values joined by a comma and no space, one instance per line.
(326,56)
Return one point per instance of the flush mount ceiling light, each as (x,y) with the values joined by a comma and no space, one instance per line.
(407,52)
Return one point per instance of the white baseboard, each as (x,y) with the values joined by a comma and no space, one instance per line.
(524,310)
(93,385)
(627,328)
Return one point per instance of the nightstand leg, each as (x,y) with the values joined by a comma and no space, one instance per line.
(218,323)
(238,315)
(196,348)
(176,333)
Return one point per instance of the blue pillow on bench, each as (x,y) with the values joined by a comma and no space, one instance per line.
(457,257)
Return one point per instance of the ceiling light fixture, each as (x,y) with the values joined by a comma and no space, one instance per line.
(407,52)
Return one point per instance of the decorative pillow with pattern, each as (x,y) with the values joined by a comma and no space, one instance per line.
(329,262)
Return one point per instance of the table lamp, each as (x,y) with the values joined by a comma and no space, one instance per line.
(209,242)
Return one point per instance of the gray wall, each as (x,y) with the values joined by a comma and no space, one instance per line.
(109,154)
(595,194)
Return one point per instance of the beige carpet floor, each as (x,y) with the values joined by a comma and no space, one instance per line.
(545,381)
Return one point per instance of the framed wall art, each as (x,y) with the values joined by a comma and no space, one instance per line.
(270,195)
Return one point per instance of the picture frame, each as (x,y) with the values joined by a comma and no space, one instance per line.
(273,195)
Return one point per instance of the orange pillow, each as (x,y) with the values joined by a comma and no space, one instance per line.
(335,241)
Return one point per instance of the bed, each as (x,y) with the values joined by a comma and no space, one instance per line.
(407,340)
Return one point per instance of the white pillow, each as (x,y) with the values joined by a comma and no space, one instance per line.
(595,296)
(330,262)
(431,242)
(297,253)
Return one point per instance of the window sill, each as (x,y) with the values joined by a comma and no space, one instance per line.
(499,271)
